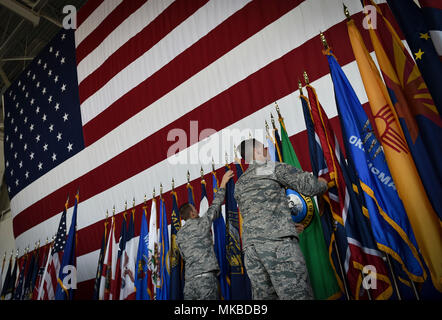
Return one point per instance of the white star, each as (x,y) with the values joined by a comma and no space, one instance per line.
(51,49)
(70,147)
(32,102)
(7,164)
(37,111)
(16,182)
(40,166)
(25,147)
(33,77)
(27,94)
(45,66)
(23,89)
(37,138)
(50,99)
(44,118)
(29,73)
(27,174)
(19,83)
(12,172)
(7,138)
(63,60)
(26,120)
(21,136)
(16,129)
(31,127)
(13,98)
(43,91)
(21,111)
(65,117)
(57,54)
(12,145)
(45,147)
(15,155)
(32,155)
(20,164)
(50,73)
(12,121)
(54,157)
(39,61)
(59,136)
(63,88)
(63,36)
(51,128)
(57,106)
(56,79)
(9,189)
(38,84)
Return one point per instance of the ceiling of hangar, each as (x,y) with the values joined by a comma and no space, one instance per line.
(26,26)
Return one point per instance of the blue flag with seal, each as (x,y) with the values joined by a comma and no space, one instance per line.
(141,277)
(219,230)
(67,276)
(388,218)
(163,292)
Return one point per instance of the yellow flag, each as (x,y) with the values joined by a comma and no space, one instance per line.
(423,218)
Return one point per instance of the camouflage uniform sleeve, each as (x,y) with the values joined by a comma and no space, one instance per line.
(301,181)
(215,209)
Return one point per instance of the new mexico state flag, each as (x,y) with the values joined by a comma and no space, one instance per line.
(423,219)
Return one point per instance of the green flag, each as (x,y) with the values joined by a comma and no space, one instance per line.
(311,240)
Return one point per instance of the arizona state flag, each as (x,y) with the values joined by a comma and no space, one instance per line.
(418,116)
(415,25)
(423,219)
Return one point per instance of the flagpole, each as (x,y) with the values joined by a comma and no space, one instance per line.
(393,276)
(344,279)
(415,290)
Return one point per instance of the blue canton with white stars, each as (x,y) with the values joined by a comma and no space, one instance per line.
(43,125)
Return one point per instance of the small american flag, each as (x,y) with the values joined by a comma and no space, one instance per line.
(51,273)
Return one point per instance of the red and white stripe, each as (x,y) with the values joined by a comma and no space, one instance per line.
(147,67)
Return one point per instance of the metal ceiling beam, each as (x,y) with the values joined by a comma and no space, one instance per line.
(21,10)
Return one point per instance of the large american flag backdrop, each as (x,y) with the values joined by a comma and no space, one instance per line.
(94,110)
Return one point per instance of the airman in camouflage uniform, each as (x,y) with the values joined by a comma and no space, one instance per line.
(272,256)
(195,243)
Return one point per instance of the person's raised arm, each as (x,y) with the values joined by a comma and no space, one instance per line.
(298,180)
(218,198)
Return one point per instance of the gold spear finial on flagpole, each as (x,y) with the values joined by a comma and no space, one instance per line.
(273,120)
(173,184)
(277,110)
(202,173)
(188,176)
(213,165)
(323,40)
(347,14)
(153,193)
(300,87)
(125,205)
(227,158)
(145,199)
(307,82)
(107,214)
(113,211)
(133,203)
(161,189)
(267,128)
